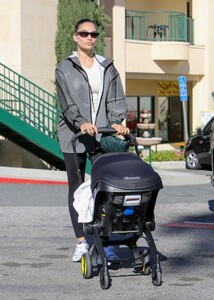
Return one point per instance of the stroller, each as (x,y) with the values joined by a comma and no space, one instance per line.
(124,189)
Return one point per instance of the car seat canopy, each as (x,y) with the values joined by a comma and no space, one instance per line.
(125,171)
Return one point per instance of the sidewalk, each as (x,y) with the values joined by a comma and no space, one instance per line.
(25,175)
(40,176)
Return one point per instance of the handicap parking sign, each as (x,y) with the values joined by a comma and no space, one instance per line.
(183,88)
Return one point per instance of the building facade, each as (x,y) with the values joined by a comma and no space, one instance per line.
(155,42)
(152,44)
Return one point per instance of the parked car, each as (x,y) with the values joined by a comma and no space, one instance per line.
(197,151)
(212,152)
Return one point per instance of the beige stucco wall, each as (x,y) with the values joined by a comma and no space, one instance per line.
(118,49)
(27,38)
(38,41)
(172,5)
(203,104)
(168,59)
(27,35)
(137,87)
(12,155)
(10,33)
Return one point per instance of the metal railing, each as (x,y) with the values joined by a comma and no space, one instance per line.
(159,26)
(28,101)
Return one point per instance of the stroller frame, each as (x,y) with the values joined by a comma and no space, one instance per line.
(95,261)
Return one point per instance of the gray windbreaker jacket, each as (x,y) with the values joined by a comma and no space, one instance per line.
(75,100)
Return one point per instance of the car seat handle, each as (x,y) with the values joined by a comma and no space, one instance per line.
(101,130)
(105,130)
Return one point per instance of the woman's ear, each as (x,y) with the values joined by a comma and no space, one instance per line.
(74,37)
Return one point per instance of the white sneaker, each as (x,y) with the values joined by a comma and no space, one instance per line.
(79,250)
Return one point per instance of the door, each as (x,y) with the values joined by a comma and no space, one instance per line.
(175,118)
(170,119)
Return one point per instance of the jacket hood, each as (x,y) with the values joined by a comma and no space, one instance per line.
(101,59)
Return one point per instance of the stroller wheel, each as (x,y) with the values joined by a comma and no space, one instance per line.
(105,280)
(157,279)
(86,266)
(146,270)
(156,275)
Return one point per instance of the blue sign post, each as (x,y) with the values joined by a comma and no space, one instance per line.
(183,88)
(184,98)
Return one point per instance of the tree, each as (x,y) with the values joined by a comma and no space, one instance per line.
(69,12)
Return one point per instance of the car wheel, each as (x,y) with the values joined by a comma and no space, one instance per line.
(192,161)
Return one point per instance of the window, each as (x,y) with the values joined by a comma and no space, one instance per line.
(136,106)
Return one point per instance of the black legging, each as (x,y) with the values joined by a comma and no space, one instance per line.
(73,184)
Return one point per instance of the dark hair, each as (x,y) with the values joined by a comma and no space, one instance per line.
(82,21)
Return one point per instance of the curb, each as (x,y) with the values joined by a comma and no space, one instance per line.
(169,165)
(30,181)
(32,176)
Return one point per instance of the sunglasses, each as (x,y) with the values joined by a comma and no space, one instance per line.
(85,34)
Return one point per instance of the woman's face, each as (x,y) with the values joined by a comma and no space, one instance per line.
(85,43)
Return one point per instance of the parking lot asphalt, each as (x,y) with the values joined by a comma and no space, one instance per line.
(37,241)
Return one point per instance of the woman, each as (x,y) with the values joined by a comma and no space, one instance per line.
(91,96)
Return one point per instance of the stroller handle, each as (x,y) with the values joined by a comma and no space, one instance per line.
(100,131)
(105,130)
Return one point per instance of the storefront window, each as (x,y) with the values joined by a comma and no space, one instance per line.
(136,106)
(132,114)
(170,118)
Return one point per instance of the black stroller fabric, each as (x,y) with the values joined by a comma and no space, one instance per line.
(125,171)
(125,189)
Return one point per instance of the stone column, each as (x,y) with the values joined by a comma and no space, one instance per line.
(118,34)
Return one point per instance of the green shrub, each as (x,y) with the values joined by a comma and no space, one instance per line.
(166,155)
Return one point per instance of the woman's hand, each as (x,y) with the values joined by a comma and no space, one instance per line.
(89,128)
(120,129)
